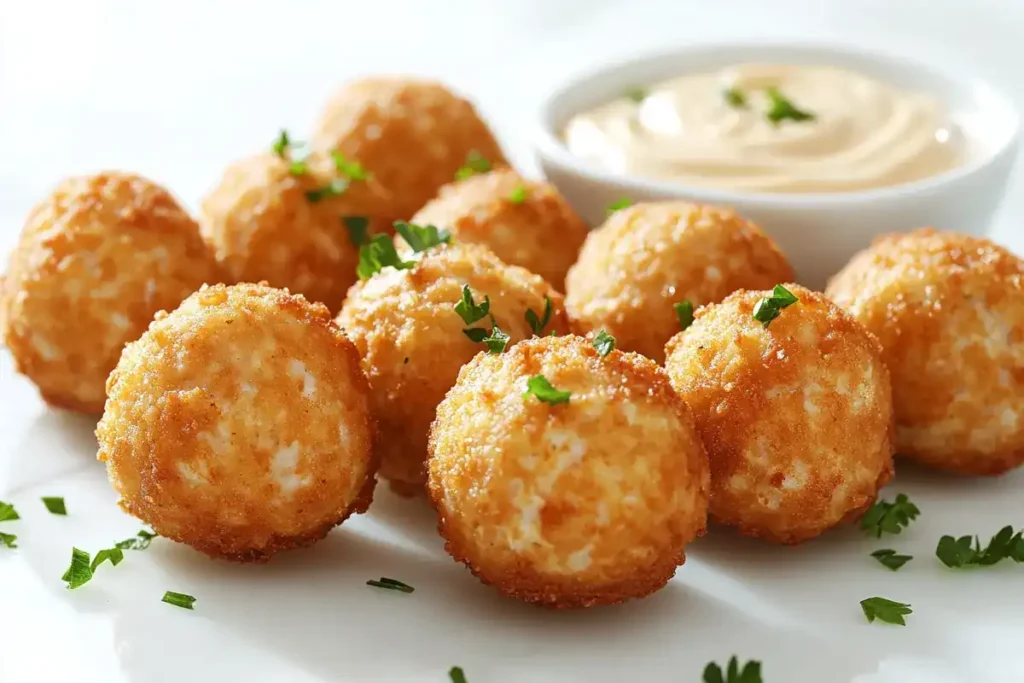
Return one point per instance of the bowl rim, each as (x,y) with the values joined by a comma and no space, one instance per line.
(549,146)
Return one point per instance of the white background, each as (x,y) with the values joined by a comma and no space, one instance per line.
(175,90)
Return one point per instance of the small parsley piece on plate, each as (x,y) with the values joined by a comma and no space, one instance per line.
(422,237)
(886,610)
(353,170)
(475,163)
(735,98)
(957,553)
(684,311)
(80,571)
(637,94)
(456,675)
(769,308)
(749,673)
(889,518)
(336,188)
(377,254)
(358,229)
(781,108)
(604,343)
(8,513)
(55,504)
(282,144)
(391,584)
(8,540)
(114,555)
(518,194)
(889,558)
(539,386)
(468,310)
(623,203)
(178,600)
(538,323)
(141,541)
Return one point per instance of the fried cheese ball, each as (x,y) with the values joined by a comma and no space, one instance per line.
(525,222)
(573,504)
(648,257)
(412,343)
(949,311)
(413,135)
(240,424)
(266,223)
(96,260)
(796,417)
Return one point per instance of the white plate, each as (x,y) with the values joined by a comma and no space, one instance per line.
(208,81)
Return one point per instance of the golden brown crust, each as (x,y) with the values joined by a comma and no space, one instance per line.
(571,505)
(541,233)
(262,226)
(949,312)
(240,424)
(412,134)
(797,418)
(412,343)
(95,260)
(650,256)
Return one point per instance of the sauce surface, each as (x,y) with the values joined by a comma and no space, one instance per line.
(771,128)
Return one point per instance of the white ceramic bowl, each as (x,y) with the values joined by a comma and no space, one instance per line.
(819,232)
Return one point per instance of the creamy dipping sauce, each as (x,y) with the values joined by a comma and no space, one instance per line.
(772,128)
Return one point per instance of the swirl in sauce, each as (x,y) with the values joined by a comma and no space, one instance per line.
(863,134)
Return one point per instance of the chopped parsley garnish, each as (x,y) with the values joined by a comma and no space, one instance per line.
(496,340)
(298,167)
(539,386)
(8,513)
(735,98)
(8,540)
(957,553)
(283,147)
(604,343)
(353,170)
(471,312)
(889,518)
(769,308)
(391,584)
(336,188)
(141,541)
(749,673)
(114,555)
(468,310)
(80,571)
(885,610)
(781,108)
(282,144)
(358,229)
(518,194)
(456,675)
(891,559)
(475,163)
(637,93)
(684,311)
(422,237)
(617,205)
(178,600)
(377,254)
(55,505)
(538,323)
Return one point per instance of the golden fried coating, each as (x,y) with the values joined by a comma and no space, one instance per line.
(577,504)
(949,311)
(412,343)
(412,134)
(525,222)
(96,259)
(240,424)
(797,418)
(648,257)
(263,225)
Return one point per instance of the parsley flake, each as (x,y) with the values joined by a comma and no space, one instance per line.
(781,108)
(422,237)
(283,147)
(885,610)
(475,163)
(468,309)
(749,673)
(604,343)
(8,513)
(538,323)
(282,144)
(141,541)
(178,600)
(735,98)
(889,518)
(8,540)
(377,254)
(336,188)
(890,558)
(114,555)
(684,311)
(618,205)
(539,386)
(80,571)
(55,505)
(958,553)
(769,308)
(391,584)
(358,229)
(351,169)
(496,340)
(518,195)
(456,675)
(637,93)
